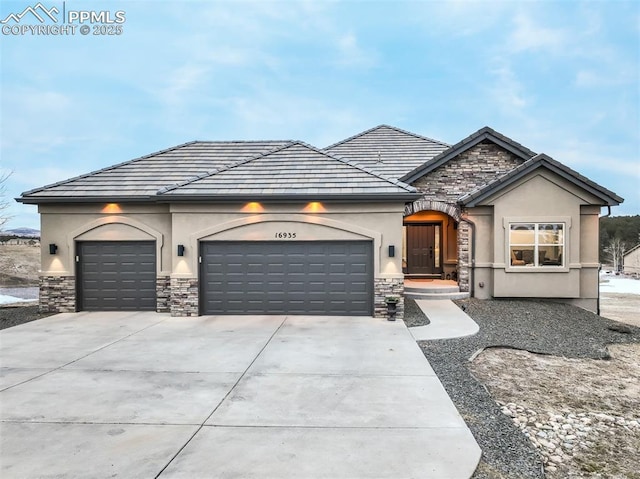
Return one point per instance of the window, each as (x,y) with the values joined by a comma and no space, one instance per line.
(536,244)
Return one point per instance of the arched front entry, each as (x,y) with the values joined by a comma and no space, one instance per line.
(431,240)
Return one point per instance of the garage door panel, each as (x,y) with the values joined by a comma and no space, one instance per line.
(117,275)
(287,278)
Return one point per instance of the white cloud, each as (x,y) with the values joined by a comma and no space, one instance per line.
(351,54)
(458,18)
(527,35)
(182,82)
(507,91)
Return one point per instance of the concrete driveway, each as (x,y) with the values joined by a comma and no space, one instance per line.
(147,395)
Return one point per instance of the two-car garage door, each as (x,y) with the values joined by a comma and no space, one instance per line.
(287,277)
(236,277)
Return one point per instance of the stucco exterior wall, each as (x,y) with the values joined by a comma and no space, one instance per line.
(64,225)
(381,224)
(482,275)
(188,224)
(538,198)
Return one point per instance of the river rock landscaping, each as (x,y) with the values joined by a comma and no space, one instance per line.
(487,383)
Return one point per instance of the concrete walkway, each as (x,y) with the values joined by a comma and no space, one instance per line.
(146,395)
(447,321)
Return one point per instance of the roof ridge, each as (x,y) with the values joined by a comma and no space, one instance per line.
(360,167)
(241,141)
(488,129)
(108,168)
(562,166)
(400,130)
(469,142)
(291,143)
(209,173)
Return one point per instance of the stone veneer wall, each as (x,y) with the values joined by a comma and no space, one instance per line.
(442,187)
(384,287)
(57,294)
(464,255)
(471,169)
(163,294)
(184,297)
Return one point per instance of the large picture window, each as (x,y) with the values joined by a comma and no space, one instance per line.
(536,244)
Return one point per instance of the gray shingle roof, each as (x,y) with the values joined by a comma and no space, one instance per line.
(609,198)
(482,134)
(225,170)
(391,151)
(293,170)
(144,176)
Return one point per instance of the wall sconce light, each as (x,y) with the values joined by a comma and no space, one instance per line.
(53,248)
(392,251)
(180,250)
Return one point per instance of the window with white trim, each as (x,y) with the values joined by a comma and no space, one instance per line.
(536,244)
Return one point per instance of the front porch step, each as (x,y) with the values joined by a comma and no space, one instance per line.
(437,295)
(432,289)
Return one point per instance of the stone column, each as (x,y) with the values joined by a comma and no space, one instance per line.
(384,287)
(57,294)
(184,297)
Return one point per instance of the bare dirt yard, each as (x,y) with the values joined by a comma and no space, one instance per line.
(19,265)
(582,415)
(621,307)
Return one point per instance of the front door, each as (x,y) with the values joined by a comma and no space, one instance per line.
(423,249)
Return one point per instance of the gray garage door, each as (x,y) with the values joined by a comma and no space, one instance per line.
(116,275)
(317,278)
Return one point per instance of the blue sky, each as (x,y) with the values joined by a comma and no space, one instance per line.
(560,77)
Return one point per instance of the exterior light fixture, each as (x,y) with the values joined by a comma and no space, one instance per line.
(112,208)
(314,207)
(53,248)
(392,251)
(252,207)
(180,250)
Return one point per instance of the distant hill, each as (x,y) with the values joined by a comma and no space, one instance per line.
(22,232)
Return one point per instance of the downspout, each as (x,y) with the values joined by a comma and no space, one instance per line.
(473,256)
(600,264)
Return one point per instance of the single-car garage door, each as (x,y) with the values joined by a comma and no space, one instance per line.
(297,277)
(116,275)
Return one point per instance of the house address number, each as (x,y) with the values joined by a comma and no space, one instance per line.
(285,235)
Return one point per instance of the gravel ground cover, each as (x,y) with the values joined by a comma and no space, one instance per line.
(535,326)
(413,315)
(15,315)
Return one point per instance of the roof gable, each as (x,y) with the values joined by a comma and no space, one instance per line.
(477,196)
(389,150)
(295,170)
(483,134)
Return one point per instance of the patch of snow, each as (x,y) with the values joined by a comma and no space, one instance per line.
(4,299)
(619,284)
